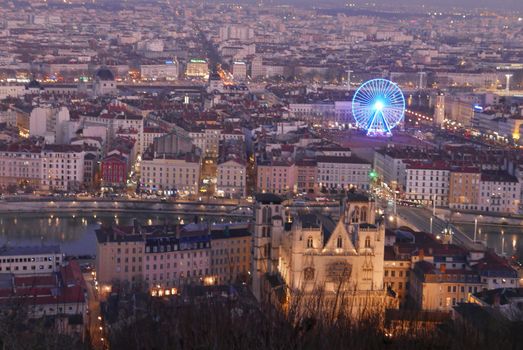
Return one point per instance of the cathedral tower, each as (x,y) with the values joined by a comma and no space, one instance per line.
(267,237)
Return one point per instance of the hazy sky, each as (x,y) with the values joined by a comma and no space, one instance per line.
(493,4)
(500,4)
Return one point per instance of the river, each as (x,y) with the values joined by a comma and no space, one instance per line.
(75,233)
(504,239)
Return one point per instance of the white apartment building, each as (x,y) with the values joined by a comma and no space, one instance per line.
(236,32)
(11,91)
(131,125)
(49,123)
(313,112)
(232,135)
(391,165)
(343,172)
(428,182)
(231,178)
(499,192)
(30,260)
(149,135)
(257,68)
(180,174)
(62,167)
(197,68)
(239,70)
(208,140)
(167,71)
(20,165)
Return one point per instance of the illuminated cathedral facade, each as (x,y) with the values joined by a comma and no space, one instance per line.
(313,252)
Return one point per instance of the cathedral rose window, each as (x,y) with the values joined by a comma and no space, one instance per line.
(308,274)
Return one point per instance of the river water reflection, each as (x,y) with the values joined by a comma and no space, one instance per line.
(76,232)
(503,239)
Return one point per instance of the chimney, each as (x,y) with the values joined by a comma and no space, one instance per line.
(443,268)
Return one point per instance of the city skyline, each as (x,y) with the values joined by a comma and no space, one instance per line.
(224,175)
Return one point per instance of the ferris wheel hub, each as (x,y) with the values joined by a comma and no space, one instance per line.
(379,106)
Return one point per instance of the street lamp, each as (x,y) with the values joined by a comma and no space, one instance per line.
(507,87)
(502,243)
(475,228)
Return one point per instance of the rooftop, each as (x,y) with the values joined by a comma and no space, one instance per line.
(31,250)
(268,198)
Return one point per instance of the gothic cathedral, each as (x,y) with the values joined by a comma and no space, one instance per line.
(311,252)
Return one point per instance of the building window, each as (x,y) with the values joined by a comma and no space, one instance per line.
(339,242)
(309,242)
(367,242)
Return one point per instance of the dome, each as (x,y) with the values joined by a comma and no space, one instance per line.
(104,74)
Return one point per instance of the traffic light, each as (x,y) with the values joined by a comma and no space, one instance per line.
(373,175)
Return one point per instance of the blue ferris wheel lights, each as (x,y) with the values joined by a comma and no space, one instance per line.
(378,106)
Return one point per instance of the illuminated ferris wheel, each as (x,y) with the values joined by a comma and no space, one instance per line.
(378,106)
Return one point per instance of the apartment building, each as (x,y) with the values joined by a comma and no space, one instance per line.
(422,271)
(276,176)
(464,186)
(197,68)
(131,126)
(149,135)
(175,260)
(62,167)
(179,173)
(164,257)
(57,297)
(30,260)
(396,273)
(428,183)
(343,172)
(306,175)
(119,255)
(499,192)
(20,164)
(49,123)
(230,253)
(208,140)
(114,169)
(391,164)
(441,289)
(231,173)
(167,71)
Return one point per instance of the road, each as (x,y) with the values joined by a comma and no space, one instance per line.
(94,317)
(420,218)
